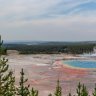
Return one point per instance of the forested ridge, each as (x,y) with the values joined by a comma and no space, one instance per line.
(52,48)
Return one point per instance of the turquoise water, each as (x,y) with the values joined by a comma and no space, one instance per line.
(80,63)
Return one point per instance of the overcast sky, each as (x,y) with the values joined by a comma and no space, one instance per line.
(48,20)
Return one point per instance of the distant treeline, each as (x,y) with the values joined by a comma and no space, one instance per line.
(77,48)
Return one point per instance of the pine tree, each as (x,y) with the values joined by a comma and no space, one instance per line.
(10,85)
(58,91)
(3,50)
(84,91)
(50,95)
(69,94)
(34,92)
(4,73)
(94,93)
(23,90)
(79,89)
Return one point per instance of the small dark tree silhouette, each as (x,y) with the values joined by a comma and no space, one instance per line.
(58,91)
(22,90)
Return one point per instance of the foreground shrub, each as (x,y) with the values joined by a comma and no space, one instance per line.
(22,90)
(7,87)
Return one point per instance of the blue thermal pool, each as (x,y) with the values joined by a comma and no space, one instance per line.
(80,63)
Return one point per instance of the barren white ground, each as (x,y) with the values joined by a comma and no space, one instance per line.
(42,74)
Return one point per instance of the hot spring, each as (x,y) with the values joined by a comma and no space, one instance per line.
(80,63)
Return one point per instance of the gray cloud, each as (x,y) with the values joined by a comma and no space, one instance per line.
(55,20)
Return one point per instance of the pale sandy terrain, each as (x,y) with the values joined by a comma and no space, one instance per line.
(42,74)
